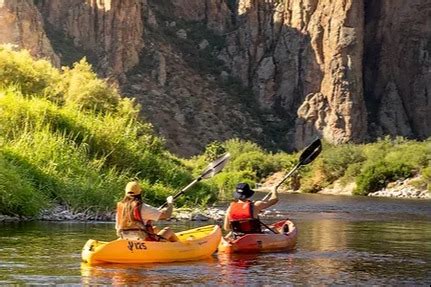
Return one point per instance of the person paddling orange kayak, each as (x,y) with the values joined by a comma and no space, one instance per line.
(246,234)
(242,216)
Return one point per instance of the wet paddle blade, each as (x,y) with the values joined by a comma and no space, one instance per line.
(311,152)
(216,166)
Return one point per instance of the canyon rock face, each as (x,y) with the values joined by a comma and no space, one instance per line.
(22,25)
(397,74)
(342,70)
(214,13)
(110,32)
(303,60)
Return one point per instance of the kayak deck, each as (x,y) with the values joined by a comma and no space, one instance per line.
(263,242)
(193,244)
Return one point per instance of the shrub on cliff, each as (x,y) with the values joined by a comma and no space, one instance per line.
(84,90)
(32,77)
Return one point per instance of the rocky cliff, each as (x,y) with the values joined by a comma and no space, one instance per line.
(279,72)
(397,67)
(304,60)
(22,25)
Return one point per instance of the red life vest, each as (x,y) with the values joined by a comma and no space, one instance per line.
(241,218)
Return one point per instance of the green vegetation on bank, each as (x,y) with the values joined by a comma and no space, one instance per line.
(370,166)
(68,137)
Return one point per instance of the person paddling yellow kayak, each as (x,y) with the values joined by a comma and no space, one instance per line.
(139,242)
(134,218)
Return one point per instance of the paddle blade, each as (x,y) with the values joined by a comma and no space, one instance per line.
(311,152)
(216,166)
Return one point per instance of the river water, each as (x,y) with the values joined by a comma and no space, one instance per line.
(342,241)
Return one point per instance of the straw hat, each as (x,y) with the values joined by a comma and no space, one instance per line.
(133,188)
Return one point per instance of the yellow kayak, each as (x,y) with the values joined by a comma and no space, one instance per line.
(193,244)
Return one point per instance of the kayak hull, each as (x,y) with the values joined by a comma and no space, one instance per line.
(193,244)
(263,242)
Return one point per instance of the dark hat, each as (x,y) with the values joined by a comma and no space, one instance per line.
(243,191)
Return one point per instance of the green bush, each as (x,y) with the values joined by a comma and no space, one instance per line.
(376,175)
(237,147)
(248,163)
(246,155)
(332,164)
(225,182)
(33,77)
(82,89)
(259,163)
(371,165)
(426,175)
(337,160)
(214,150)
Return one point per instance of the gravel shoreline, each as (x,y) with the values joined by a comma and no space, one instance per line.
(61,213)
(399,189)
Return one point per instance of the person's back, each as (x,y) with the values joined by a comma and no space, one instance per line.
(242,216)
(134,218)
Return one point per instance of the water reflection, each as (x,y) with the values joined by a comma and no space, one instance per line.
(197,272)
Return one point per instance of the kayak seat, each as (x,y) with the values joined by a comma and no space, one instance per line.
(246,226)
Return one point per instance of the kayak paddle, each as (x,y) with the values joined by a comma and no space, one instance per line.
(307,156)
(211,170)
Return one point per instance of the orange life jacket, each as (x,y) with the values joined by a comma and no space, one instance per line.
(241,218)
(132,221)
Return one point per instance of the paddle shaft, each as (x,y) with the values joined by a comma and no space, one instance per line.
(210,171)
(307,156)
(269,228)
(182,191)
(284,179)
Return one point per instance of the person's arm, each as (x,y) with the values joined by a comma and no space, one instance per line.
(117,225)
(262,204)
(167,211)
(226,223)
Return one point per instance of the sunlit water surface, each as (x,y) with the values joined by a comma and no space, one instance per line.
(342,241)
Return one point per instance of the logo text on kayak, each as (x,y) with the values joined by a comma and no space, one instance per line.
(136,245)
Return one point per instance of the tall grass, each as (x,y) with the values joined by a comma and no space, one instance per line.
(68,137)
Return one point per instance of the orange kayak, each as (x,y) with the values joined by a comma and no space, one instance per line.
(285,240)
(193,244)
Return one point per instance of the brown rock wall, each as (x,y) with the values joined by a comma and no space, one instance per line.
(398,67)
(344,70)
(111,29)
(289,50)
(21,24)
(215,13)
